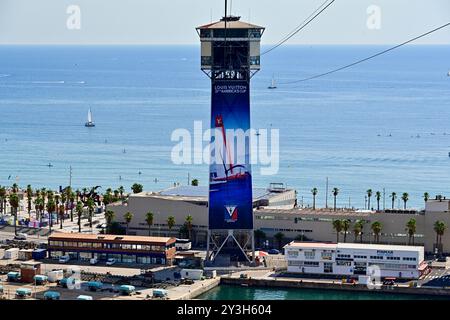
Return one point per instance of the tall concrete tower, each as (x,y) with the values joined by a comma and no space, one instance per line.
(230,56)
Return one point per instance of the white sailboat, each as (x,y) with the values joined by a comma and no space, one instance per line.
(273,84)
(89,123)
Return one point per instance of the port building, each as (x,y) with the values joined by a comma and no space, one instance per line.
(355,259)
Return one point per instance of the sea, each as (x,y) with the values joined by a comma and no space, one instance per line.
(382,125)
(227,292)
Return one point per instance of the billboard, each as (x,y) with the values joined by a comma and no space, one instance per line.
(230,180)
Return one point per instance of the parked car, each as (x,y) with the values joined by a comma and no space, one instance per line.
(93,261)
(21,236)
(273,251)
(389,282)
(64,259)
(110,261)
(442,259)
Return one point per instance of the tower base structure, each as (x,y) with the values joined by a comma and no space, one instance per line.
(239,244)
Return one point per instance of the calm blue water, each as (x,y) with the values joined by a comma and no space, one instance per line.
(225,292)
(139,95)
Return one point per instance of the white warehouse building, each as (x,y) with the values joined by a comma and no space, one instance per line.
(354,259)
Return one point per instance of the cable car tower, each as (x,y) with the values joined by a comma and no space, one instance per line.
(230,57)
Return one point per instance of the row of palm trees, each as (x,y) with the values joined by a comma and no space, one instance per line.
(370,193)
(149,219)
(344,226)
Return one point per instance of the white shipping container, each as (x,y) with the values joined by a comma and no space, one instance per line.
(12,254)
(193,274)
(55,275)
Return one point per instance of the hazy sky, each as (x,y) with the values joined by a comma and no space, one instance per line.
(174,21)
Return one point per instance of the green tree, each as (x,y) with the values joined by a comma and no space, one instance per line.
(426,196)
(90,204)
(72,197)
(137,188)
(378,197)
(62,212)
(188,222)
(405,198)
(128,217)
(194,182)
(314,192)
(109,216)
(259,235)
(29,198)
(170,222)
(122,190)
(376,229)
(439,227)
(79,211)
(411,227)
(337,226)
(51,207)
(14,203)
(279,237)
(358,229)
(369,195)
(393,198)
(335,193)
(149,220)
(345,227)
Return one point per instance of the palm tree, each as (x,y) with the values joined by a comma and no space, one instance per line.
(15,188)
(357,229)
(109,216)
(57,206)
(378,197)
(259,234)
(314,192)
(439,228)
(14,203)
(90,205)
(411,227)
(121,191)
(279,237)
(393,197)
(149,219)
(337,226)
(29,197)
(405,198)
(128,217)
(79,211)
(426,196)
(170,222)
(376,229)
(194,183)
(369,195)
(62,210)
(72,197)
(51,207)
(189,220)
(137,188)
(345,227)
(335,194)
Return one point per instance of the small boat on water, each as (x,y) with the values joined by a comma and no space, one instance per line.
(273,84)
(448,74)
(89,123)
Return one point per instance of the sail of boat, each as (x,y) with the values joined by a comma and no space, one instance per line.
(89,122)
(273,84)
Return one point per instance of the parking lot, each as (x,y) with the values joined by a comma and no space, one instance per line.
(436,278)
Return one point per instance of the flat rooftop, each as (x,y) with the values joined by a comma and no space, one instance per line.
(328,212)
(201,193)
(109,237)
(355,246)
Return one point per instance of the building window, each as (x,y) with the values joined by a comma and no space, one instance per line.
(310,255)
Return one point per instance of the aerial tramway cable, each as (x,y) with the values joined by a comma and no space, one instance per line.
(368,58)
(303,25)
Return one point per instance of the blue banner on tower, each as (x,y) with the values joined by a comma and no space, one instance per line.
(230,182)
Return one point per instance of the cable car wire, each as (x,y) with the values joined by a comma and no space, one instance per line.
(369,58)
(303,25)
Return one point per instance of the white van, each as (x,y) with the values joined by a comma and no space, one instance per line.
(64,259)
(93,261)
